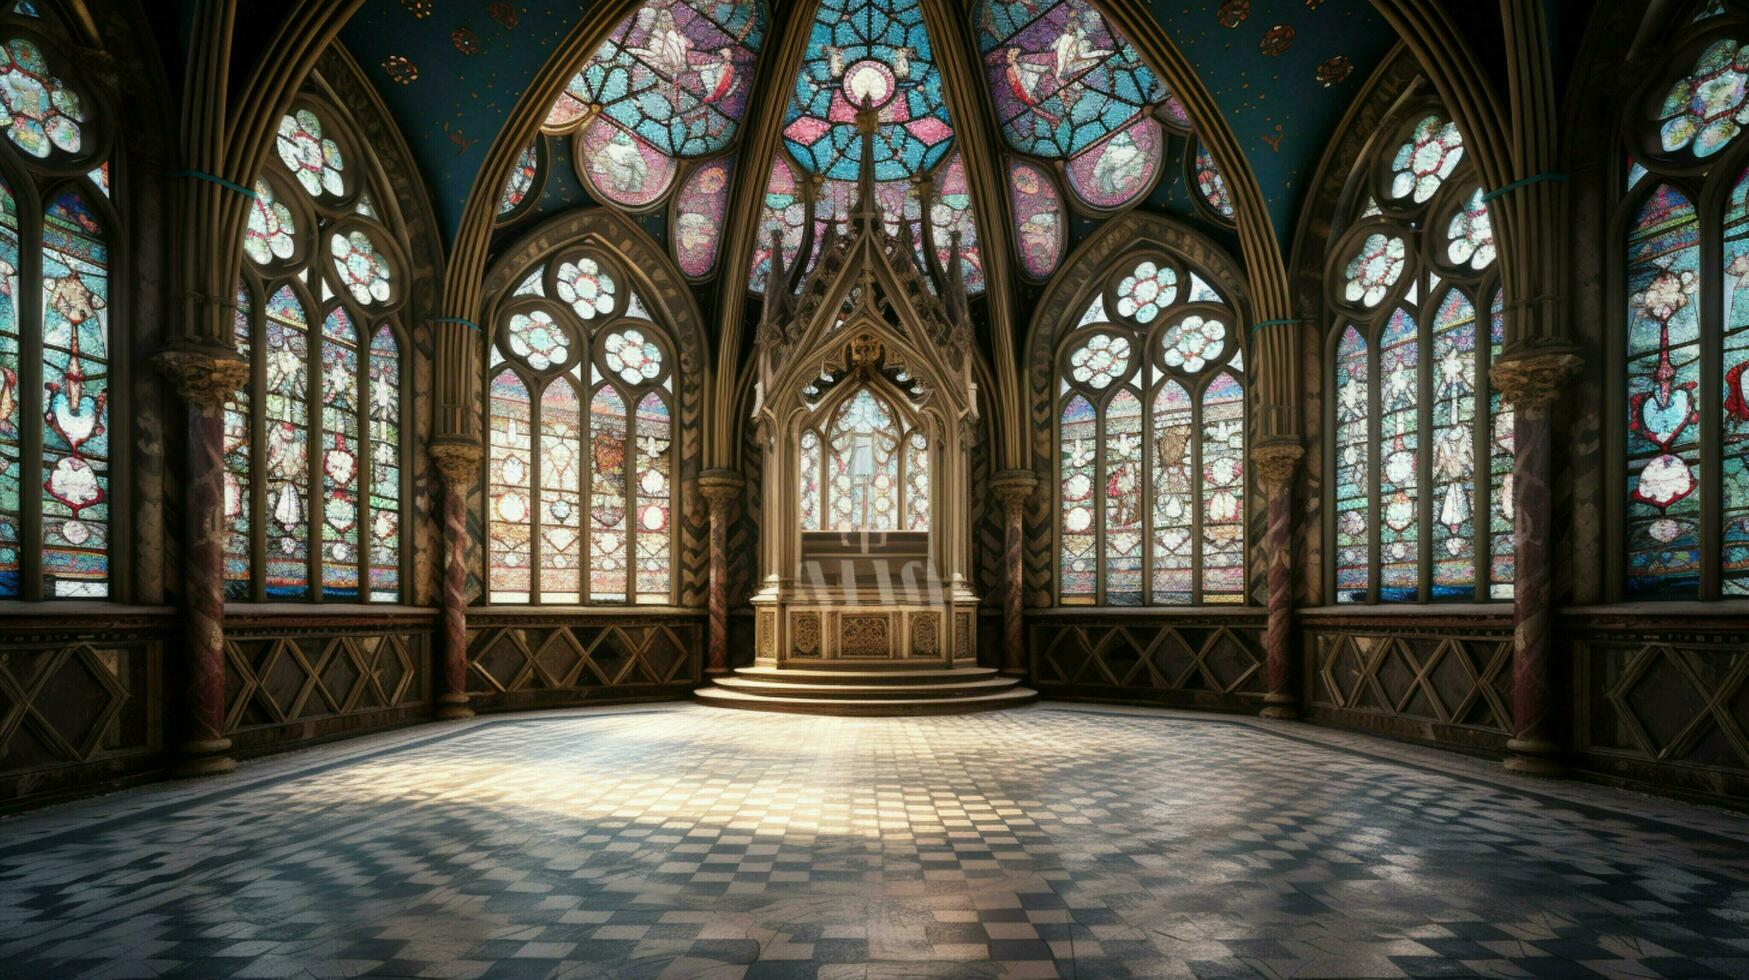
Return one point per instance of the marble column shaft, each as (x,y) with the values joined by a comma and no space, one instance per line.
(721,490)
(458,462)
(1276,464)
(1013,489)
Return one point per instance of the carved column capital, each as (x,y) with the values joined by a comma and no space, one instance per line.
(1276,462)
(721,488)
(204,378)
(458,461)
(1534,378)
(1013,488)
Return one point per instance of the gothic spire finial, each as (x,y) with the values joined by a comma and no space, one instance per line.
(777,293)
(867,205)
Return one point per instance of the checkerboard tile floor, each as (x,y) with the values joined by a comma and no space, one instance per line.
(683,841)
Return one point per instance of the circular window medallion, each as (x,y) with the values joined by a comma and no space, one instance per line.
(632,357)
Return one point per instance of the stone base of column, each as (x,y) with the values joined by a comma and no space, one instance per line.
(453,707)
(1283,706)
(203,757)
(1534,757)
(712,673)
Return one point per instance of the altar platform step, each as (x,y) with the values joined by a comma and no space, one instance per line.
(841,690)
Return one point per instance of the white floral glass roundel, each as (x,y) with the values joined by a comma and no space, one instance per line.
(42,114)
(1191,343)
(1146,291)
(362,268)
(1470,236)
(631,356)
(1374,269)
(1706,109)
(1428,157)
(1100,361)
(311,157)
(537,339)
(270,229)
(588,288)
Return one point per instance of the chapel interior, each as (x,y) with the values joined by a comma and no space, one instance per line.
(874,488)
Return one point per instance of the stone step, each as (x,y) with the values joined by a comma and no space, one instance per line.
(789,675)
(886,691)
(726,698)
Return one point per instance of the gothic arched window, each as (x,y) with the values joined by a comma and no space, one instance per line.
(581,460)
(1683,346)
(1151,443)
(315,489)
(865,467)
(57,226)
(1420,448)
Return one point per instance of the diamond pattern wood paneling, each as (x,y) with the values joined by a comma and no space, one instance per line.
(298,683)
(521,660)
(1207,662)
(1439,684)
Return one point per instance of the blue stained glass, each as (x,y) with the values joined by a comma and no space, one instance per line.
(1454,448)
(1399,441)
(1353,467)
(75,547)
(286,469)
(1663,373)
(1734,499)
(878,53)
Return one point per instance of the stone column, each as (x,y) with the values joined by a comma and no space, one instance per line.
(205,378)
(722,490)
(1276,462)
(1013,488)
(1531,382)
(458,461)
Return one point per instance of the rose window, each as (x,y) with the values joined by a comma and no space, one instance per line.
(312,158)
(362,268)
(1706,109)
(1100,361)
(1146,291)
(1472,234)
(269,234)
(1430,155)
(535,338)
(632,357)
(585,286)
(42,115)
(1193,342)
(1374,270)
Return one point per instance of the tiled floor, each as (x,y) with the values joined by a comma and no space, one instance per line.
(1053,841)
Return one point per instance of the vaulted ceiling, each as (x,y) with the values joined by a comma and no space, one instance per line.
(1282,72)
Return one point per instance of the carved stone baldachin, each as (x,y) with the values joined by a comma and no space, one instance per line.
(204,378)
(457,461)
(1536,378)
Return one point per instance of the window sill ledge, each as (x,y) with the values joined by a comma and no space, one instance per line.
(1150,612)
(1410,610)
(1643,609)
(585,612)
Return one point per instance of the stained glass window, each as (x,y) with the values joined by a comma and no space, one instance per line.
(45,115)
(1421,453)
(12,369)
(582,444)
(525,173)
(1151,444)
(314,444)
(1704,110)
(1039,221)
(75,371)
(864,467)
(1211,184)
(670,83)
(1067,86)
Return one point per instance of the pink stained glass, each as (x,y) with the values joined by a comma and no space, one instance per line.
(652,519)
(784,210)
(622,168)
(339,457)
(1120,170)
(1174,488)
(561,493)
(809,500)
(384,420)
(1039,219)
(951,211)
(1223,490)
(1078,442)
(238,511)
(285,466)
(1121,493)
(609,524)
(698,217)
(1211,184)
(11,371)
(75,378)
(510,490)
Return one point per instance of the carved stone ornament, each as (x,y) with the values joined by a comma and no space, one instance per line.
(1276,463)
(458,461)
(721,488)
(204,379)
(1534,379)
(1013,488)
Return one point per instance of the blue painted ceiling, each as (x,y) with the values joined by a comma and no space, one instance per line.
(451,70)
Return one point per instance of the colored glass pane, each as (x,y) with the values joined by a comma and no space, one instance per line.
(510,490)
(1223,490)
(810,481)
(635,359)
(608,500)
(286,469)
(1148,289)
(1353,467)
(950,210)
(312,158)
(699,214)
(786,211)
(11,371)
(1078,441)
(1470,236)
(1705,109)
(1734,366)
(1121,169)
(1454,447)
(384,422)
(1399,439)
(1174,490)
(339,461)
(538,339)
(1211,184)
(268,236)
(1039,219)
(521,180)
(75,372)
(916,482)
(238,508)
(560,493)
(43,115)
(1062,78)
(1100,361)
(362,268)
(1121,483)
(651,528)
(862,465)
(1375,268)
(1193,343)
(1663,372)
(587,287)
(622,168)
(1502,558)
(677,73)
(1432,151)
